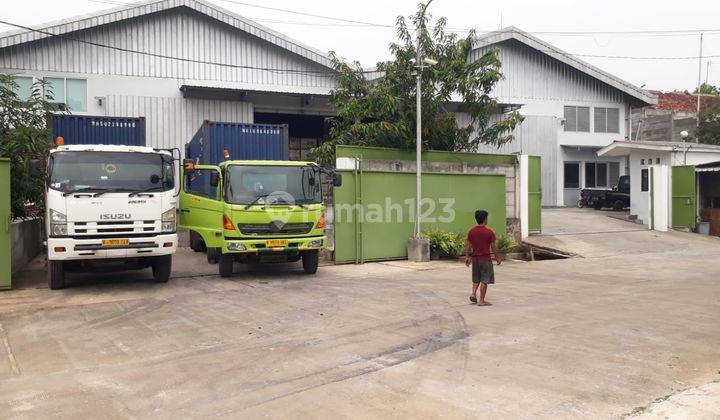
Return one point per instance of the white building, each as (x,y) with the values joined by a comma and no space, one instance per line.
(669,187)
(176,63)
(572,110)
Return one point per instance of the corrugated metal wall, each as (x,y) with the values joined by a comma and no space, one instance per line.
(531,74)
(180,32)
(171,122)
(536,136)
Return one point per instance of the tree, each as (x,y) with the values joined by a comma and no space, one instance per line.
(23,137)
(381,111)
(708,130)
(707,89)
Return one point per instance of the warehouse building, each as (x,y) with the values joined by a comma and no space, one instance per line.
(176,63)
(572,110)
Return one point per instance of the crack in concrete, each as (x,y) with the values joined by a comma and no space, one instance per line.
(11,356)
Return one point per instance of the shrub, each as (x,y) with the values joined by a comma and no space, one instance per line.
(505,243)
(450,244)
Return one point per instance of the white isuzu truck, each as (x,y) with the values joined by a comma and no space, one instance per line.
(109,204)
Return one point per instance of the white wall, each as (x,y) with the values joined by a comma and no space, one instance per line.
(661,200)
(639,200)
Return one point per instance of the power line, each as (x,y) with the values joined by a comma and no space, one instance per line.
(328,73)
(365,24)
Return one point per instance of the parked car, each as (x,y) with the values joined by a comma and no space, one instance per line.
(617,198)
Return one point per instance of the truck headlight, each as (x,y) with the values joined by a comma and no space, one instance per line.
(235,246)
(58,223)
(168,221)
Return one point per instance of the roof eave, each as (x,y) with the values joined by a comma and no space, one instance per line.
(496,37)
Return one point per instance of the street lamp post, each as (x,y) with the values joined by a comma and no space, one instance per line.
(418,249)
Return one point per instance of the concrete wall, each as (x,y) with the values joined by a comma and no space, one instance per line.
(639,160)
(26,238)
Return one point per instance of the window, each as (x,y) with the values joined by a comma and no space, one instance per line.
(577,118)
(197,182)
(24,87)
(607,120)
(71,92)
(596,175)
(644,180)
(614,175)
(572,175)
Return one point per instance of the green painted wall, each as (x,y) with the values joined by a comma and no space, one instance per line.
(385,239)
(5,255)
(379,153)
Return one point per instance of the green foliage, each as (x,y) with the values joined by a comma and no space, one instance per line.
(708,130)
(382,112)
(505,243)
(23,137)
(707,89)
(449,243)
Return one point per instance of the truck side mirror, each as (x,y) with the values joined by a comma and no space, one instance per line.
(214,179)
(35,168)
(337,179)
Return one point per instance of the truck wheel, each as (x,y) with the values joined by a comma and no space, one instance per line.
(56,275)
(161,268)
(196,242)
(618,205)
(225,265)
(310,261)
(598,205)
(213,255)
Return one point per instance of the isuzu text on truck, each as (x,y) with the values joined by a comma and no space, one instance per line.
(109,204)
(250,211)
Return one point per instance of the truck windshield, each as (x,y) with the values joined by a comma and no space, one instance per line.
(272,185)
(116,171)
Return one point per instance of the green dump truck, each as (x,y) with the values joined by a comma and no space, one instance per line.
(256,210)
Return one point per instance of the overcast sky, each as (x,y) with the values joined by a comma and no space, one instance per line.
(369,44)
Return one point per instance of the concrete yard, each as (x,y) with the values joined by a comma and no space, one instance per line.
(629,324)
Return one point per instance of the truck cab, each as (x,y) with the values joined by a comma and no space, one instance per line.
(254,210)
(110,204)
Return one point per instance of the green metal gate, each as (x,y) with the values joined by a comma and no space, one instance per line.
(683,197)
(5,271)
(534,194)
(374,210)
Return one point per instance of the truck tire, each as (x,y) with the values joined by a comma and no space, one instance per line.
(598,205)
(310,261)
(161,268)
(56,274)
(618,205)
(196,242)
(213,255)
(225,265)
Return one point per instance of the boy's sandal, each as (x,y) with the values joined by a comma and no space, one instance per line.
(473,299)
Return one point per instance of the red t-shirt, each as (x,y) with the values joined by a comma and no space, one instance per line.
(481,237)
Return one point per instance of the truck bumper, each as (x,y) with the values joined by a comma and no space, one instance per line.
(92,249)
(247,246)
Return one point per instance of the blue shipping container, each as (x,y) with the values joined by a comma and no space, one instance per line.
(243,141)
(91,129)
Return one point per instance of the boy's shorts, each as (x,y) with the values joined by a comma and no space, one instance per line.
(483,271)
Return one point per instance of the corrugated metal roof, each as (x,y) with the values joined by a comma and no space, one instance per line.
(512,32)
(65,26)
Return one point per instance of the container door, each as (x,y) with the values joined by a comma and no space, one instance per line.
(201,206)
(683,197)
(5,271)
(534,194)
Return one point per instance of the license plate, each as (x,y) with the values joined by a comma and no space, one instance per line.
(115,242)
(276,243)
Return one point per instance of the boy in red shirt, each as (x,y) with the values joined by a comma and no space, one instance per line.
(481,240)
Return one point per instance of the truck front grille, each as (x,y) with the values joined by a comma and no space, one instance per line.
(114,227)
(275,228)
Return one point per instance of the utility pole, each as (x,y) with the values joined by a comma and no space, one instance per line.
(697,119)
(418,123)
